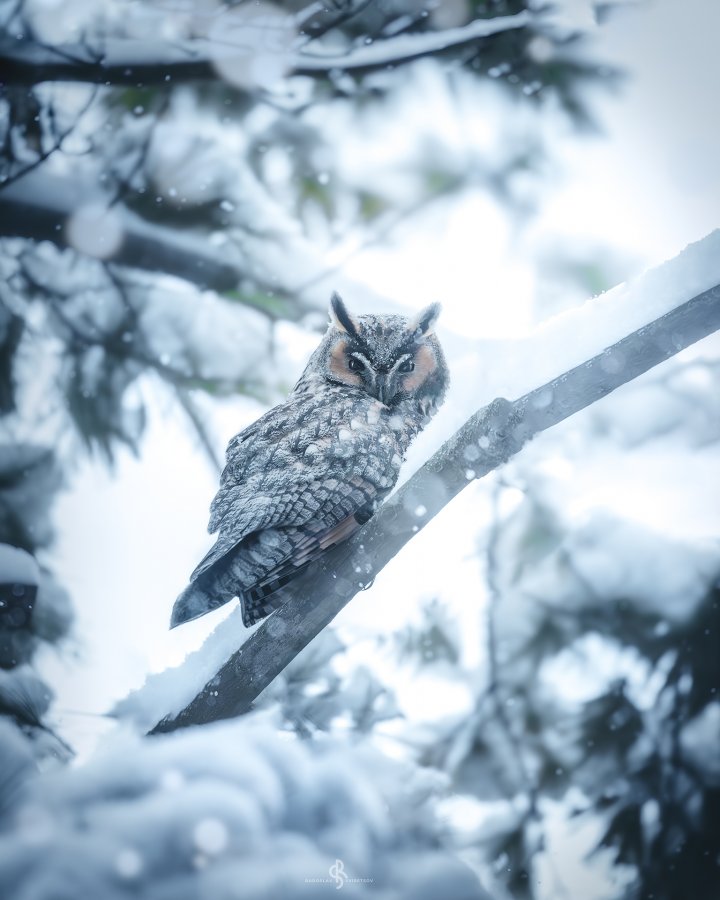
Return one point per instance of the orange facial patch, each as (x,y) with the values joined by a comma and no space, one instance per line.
(338,364)
(425,365)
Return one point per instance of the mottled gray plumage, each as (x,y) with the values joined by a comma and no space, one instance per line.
(312,470)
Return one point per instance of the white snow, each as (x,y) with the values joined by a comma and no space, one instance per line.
(198,332)
(619,559)
(568,339)
(17,566)
(252,45)
(95,230)
(168,692)
(409,45)
(23,692)
(128,863)
(211,836)
(700,743)
(253,815)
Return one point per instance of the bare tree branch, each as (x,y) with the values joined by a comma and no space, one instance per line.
(498,432)
(133,62)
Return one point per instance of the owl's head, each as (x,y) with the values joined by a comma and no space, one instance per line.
(392,358)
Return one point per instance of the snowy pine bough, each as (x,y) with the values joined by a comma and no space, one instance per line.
(232,811)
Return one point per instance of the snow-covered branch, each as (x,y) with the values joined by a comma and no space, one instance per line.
(407,47)
(133,62)
(39,207)
(493,434)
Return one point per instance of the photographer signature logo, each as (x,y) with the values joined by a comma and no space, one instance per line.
(337,871)
(339,877)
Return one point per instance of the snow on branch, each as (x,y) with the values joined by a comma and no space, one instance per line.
(497,432)
(404,48)
(133,62)
(39,207)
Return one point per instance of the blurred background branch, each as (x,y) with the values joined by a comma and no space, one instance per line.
(140,63)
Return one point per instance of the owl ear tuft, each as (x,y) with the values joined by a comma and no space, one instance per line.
(424,321)
(340,317)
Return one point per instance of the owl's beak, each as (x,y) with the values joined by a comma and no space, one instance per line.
(383,388)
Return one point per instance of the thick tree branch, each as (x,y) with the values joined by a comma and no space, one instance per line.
(132,62)
(38,206)
(496,432)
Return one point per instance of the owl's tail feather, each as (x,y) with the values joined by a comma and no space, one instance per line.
(195,602)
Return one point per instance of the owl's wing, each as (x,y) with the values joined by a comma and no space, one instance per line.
(327,504)
(279,483)
(309,543)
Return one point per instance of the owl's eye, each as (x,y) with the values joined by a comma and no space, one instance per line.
(407,366)
(355,365)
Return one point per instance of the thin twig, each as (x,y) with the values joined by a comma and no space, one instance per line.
(185,401)
(386,228)
(124,184)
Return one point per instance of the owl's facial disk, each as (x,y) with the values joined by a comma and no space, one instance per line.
(390,357)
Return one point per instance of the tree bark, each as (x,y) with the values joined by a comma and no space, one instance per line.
(496,432)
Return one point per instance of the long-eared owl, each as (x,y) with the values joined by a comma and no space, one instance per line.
(313,469)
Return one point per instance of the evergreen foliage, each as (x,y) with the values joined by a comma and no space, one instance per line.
(152,227)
